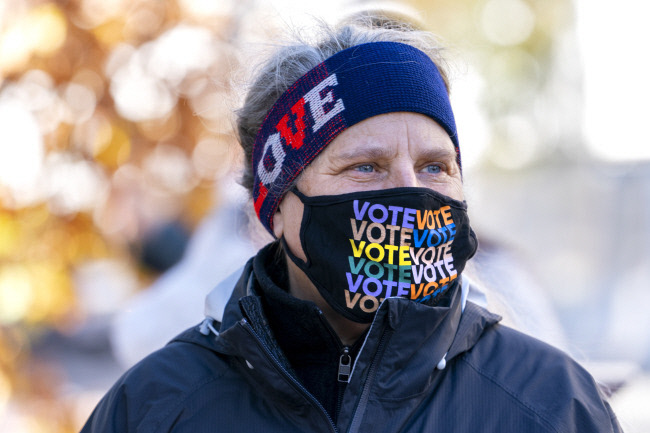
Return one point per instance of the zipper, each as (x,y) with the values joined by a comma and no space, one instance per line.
(286,374)
(365,392)
(345,368)
(345,365)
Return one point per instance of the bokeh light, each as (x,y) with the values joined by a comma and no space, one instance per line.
(507,22)
(615,83)
(16,293)
(42,31)
(21,150)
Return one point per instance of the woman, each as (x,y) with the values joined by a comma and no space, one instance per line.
(355,319)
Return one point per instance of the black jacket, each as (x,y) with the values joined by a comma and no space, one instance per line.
(495,379)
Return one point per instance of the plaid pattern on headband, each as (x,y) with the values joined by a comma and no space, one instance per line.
(357,83)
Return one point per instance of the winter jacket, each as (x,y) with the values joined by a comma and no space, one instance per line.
(421,369)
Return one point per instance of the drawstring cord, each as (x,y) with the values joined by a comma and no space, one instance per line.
(443,362)
(206,327)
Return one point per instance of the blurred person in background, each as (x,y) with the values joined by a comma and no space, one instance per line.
(356,317)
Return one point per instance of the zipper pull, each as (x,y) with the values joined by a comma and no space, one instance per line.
(345,366)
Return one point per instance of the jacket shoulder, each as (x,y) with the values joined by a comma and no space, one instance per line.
(153,393)
(541,380)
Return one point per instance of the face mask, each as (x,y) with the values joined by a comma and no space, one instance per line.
(366,246)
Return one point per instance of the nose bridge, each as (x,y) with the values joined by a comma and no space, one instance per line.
(403,173)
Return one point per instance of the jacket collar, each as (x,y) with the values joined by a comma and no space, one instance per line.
(402,347)
(402,315)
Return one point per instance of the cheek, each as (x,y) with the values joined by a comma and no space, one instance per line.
(456,190)
(451,187)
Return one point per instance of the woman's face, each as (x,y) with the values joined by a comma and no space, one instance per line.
(386,151)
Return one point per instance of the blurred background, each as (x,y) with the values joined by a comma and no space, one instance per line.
(119,208)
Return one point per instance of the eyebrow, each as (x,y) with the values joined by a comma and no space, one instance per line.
(371,151)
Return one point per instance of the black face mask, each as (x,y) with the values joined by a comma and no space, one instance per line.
(363,247)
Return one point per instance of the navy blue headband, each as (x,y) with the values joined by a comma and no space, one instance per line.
(354,84)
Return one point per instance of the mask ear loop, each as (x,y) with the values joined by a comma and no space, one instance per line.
(295,259)
(294,189)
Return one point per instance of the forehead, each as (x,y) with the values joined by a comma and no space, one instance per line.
(390,135)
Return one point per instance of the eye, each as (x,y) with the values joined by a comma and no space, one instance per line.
(365,168)
(433,169)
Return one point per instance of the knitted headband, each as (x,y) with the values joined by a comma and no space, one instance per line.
(354,84)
